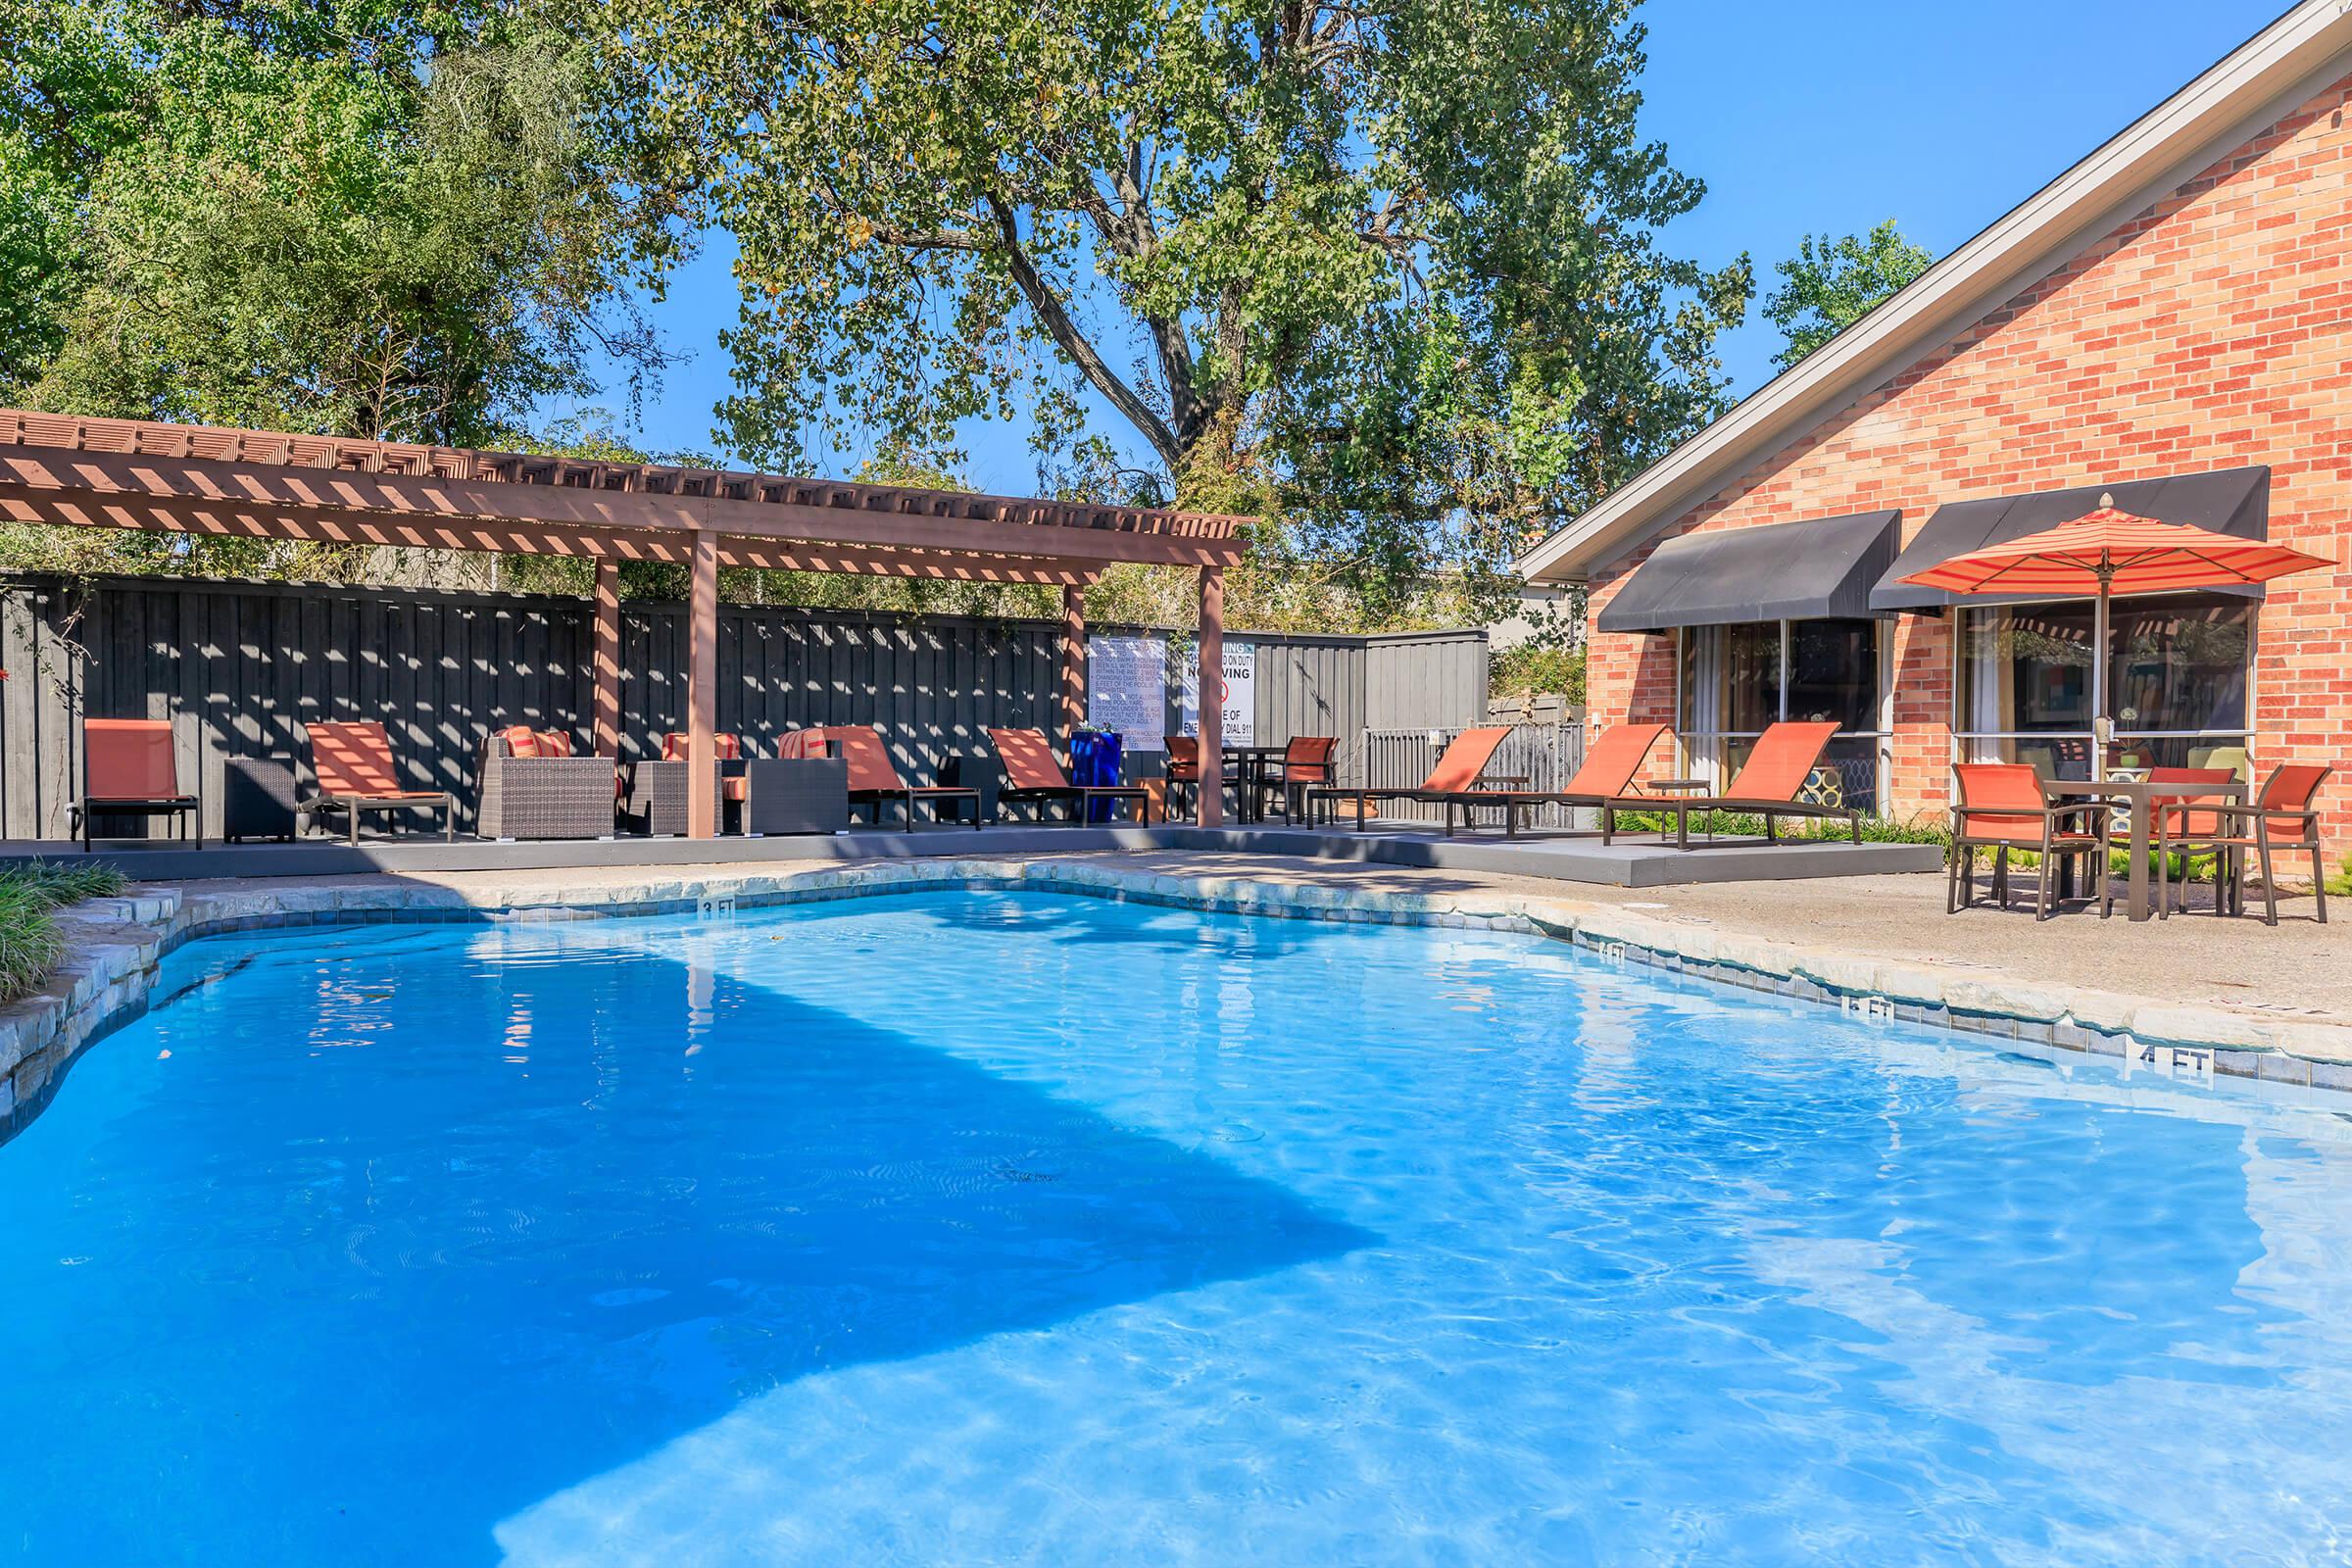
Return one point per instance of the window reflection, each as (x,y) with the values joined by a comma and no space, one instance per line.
(2025,667)
(1834,673)
(2175,664)
(1733,688)
(2180,664)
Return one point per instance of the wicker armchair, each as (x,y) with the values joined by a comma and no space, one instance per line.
(529,788)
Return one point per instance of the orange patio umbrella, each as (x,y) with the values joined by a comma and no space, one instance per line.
(2110,552)
(2107,552)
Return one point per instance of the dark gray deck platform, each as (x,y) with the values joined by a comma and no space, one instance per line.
(1633,861)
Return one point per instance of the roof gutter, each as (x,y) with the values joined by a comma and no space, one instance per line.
(2285,64)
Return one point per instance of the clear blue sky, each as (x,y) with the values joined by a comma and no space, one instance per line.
(1802,117)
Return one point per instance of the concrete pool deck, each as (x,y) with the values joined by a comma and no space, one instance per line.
(2194,994)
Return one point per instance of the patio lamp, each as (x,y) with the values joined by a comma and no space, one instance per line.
(2106,552)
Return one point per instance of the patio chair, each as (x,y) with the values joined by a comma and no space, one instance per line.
(353,764)
(1032,775)
(1607,774)
(128,768)
(1767,785)
(2286,815)
(529,785)
(874,779)
(1184,770)
(2002,806)
(2119,829)
(1459,768)
(1305,759)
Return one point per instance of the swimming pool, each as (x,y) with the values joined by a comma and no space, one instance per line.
(978,1227)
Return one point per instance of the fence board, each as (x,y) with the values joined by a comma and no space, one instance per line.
(240,666)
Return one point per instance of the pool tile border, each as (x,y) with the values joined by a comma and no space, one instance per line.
(114,945)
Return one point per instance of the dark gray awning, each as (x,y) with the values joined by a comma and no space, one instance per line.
(2232,501)
(1781,571)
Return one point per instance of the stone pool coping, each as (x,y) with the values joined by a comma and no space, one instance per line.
(114,945)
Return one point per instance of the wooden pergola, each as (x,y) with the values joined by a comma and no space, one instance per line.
(261,485)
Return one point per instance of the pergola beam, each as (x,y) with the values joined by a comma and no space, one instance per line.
(252,496)
(1211,810)
(660,547)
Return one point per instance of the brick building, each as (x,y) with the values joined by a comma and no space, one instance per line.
(2170,321)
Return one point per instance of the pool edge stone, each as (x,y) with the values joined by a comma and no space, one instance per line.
(115,945)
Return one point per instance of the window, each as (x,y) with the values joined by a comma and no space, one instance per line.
(2174,677)
(1739,679)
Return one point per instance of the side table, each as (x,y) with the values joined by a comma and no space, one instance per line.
(795,795)
(257,799)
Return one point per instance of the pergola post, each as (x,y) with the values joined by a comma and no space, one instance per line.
(702,689)
(1211,812)
(606,730)
(1073,660)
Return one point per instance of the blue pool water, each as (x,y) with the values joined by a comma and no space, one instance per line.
(976,1228)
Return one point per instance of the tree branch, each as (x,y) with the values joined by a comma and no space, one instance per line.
(1065,334)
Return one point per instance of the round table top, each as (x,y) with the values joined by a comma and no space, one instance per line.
(2141,789)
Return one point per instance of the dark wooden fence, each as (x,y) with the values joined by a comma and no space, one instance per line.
(240,668)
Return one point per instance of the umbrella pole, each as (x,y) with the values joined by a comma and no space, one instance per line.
(2102,723)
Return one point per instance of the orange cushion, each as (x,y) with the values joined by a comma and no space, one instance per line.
(677,747)
(554,743)
(522,741)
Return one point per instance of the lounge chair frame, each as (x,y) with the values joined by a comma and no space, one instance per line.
(1513,802)
(184,809)
(1076,796)
(1422,794)
(354,804)
(1772,809)
(864,750)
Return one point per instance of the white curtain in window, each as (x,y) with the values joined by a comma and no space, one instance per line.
(1988,681)
(1702,698)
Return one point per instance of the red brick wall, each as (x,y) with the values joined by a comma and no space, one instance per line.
(2211,331)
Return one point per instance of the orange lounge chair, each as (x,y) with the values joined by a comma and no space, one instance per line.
(356,773)
(1458,770)
(1785,758)
(1607,774)
(874,779)
(128,765)
(1032,775)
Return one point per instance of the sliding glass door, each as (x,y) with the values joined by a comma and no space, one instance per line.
(2175,677)
(1738,679)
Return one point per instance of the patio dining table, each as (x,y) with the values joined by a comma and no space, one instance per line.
(1249,774)
(2142,794)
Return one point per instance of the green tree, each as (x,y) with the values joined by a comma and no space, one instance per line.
(352,221)
(1392,273)
(1828,285)
(382,218)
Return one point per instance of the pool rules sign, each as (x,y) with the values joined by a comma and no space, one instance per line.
(1238,692)
(1127,690)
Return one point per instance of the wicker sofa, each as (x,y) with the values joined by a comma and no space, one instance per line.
(530,786)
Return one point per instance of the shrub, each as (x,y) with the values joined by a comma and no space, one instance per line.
(31,894)
(1533,670)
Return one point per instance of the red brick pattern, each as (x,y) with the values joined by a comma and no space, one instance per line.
(2211,331)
